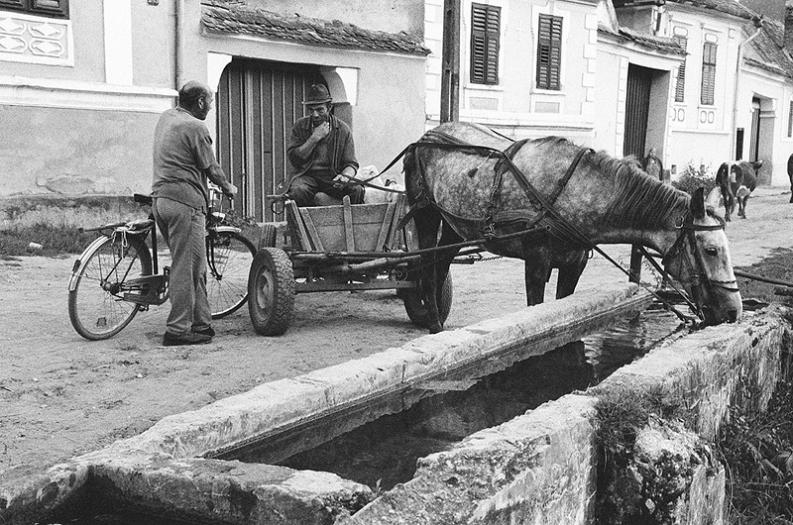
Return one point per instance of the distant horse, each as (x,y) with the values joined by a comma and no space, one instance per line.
(476,193)
(737,181)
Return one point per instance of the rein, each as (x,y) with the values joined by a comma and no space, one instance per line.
(698,271)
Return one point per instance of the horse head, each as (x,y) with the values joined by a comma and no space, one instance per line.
(700,260)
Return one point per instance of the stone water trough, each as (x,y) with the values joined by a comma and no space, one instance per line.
(540,467)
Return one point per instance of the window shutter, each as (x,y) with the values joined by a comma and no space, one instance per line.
(708,74)
(54,8)
(549,52)
(680,85)
(50,7)
(485,36)
(13,4)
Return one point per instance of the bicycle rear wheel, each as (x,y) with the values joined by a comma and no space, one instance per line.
(97,308)
(229,258)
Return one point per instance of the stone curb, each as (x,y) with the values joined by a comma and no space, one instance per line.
(538,468)
(286,402)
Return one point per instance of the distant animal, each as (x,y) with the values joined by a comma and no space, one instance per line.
(737,180)
(790,175)
(471,193)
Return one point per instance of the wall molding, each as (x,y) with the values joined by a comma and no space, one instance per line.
(51,93)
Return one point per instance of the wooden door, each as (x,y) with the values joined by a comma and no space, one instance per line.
(637,108)
(257,103)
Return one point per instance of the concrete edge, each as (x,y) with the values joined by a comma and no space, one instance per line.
(284,402)
(478,480)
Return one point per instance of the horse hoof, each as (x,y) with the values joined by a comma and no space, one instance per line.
(436,328)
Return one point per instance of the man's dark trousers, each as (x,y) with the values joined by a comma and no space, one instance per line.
(304,187)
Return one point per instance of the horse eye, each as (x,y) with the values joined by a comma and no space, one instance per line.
(712,251)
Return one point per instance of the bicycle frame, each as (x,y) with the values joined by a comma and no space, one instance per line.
(145,291)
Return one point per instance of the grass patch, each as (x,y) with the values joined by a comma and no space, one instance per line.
(55,240)
(758,449)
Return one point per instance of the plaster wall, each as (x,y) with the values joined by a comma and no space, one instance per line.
(515,104)
(776,146)
(712,123)
(73,151)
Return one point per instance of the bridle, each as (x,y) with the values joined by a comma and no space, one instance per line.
(698,270)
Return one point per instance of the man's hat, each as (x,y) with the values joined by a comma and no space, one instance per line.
(317,94)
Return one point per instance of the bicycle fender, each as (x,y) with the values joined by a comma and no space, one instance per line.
(78,263)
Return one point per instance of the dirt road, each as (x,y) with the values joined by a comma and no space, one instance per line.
(61,395)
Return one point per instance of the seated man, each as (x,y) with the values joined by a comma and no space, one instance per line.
(320,148)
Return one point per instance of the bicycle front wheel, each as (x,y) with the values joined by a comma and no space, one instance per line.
(229,258)
(97,308)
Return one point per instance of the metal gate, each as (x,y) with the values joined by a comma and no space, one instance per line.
(637,108)
(257,103)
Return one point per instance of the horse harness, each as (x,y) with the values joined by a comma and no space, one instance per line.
(688,229)
(533,226)
(698,270)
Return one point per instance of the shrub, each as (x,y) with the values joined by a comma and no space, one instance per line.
(693,177)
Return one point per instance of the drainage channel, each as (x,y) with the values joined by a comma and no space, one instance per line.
(441,412)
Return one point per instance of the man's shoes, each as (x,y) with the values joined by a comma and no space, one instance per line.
(192,338)
(205,331)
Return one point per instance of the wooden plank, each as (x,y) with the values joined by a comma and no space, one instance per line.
(348,224)
(385,228)
(297,227)
(399,206)
(312,232)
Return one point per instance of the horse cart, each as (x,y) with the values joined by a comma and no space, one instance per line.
(342,247)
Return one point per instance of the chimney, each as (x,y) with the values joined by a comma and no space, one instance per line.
(789,26)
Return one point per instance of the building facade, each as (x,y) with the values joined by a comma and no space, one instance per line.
(83,83)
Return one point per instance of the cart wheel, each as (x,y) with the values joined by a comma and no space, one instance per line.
(271,291)
(416,310)
(268,236)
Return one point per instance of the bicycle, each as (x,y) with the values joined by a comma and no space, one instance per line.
(118,274)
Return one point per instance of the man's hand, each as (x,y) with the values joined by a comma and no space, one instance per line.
(230,190)
(321,131)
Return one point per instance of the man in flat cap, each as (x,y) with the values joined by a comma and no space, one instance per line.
(320,149)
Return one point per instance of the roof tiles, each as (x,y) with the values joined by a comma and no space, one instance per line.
(235,18)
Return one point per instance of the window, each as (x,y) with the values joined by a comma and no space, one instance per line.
(707,96)
(790,120)
(54,8)
(549,52)
(680,85)
(485,35)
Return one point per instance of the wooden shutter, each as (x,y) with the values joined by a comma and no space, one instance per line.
(680,85)
(708,74)
(55,8)
(549,52)
(485,36)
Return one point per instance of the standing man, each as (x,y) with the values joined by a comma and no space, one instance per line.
(183,160)
(320,149)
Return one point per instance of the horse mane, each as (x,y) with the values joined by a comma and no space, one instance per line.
(640,200)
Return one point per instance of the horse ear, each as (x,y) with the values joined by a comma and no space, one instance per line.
(698,203)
